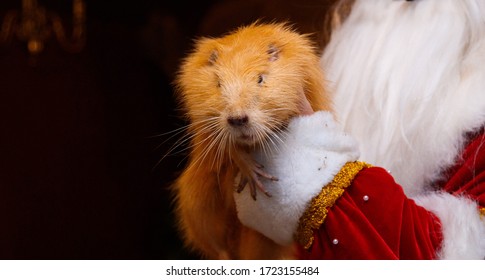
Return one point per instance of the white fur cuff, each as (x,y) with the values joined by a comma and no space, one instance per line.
(463,229)
(310,154)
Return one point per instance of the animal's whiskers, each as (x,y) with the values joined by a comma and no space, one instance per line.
(187,136)
(213,140)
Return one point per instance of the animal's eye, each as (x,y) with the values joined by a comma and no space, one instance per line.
(261,79)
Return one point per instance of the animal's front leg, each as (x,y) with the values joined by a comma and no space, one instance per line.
(249,175)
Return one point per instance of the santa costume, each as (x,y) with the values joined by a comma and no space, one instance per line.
(398,171)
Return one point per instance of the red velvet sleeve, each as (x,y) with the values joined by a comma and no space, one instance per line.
(373,219)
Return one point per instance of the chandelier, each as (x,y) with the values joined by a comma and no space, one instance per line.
(35,24)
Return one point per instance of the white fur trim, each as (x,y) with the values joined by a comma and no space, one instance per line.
(310,154)
(463,229)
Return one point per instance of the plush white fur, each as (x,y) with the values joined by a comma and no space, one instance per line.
(409,80)
(312,151)
(463,229)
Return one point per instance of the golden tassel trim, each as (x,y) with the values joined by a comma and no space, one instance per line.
(315,215)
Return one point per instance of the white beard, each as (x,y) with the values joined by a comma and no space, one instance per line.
(409,81)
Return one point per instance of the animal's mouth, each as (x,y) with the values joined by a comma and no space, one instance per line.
(241,132)
(246,138)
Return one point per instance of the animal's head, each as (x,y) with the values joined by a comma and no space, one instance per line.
(246,85)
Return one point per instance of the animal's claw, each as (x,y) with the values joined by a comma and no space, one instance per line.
(243,181)
(260,172)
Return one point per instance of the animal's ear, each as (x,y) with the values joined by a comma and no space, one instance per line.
(274,52)
(208,48)
(213,57)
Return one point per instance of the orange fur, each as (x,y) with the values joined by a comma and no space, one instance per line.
(259,72)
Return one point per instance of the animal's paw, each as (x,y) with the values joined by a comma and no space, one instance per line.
(252,181)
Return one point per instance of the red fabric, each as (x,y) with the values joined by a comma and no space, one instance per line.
(387,226)
(468,176)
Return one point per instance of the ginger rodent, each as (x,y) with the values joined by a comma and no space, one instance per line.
(238,92)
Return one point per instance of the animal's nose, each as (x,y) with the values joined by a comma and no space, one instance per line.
(238,120)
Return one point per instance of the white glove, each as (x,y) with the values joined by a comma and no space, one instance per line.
(312,151)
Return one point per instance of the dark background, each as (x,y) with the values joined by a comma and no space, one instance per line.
(80,176)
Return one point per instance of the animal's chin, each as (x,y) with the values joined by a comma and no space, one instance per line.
(246,139)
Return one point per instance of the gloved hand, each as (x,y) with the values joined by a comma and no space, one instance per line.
(312,151)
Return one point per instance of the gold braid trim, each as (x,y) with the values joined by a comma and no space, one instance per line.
(482,212)
(314,216)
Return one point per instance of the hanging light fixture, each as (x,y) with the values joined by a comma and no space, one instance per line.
(35,25)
